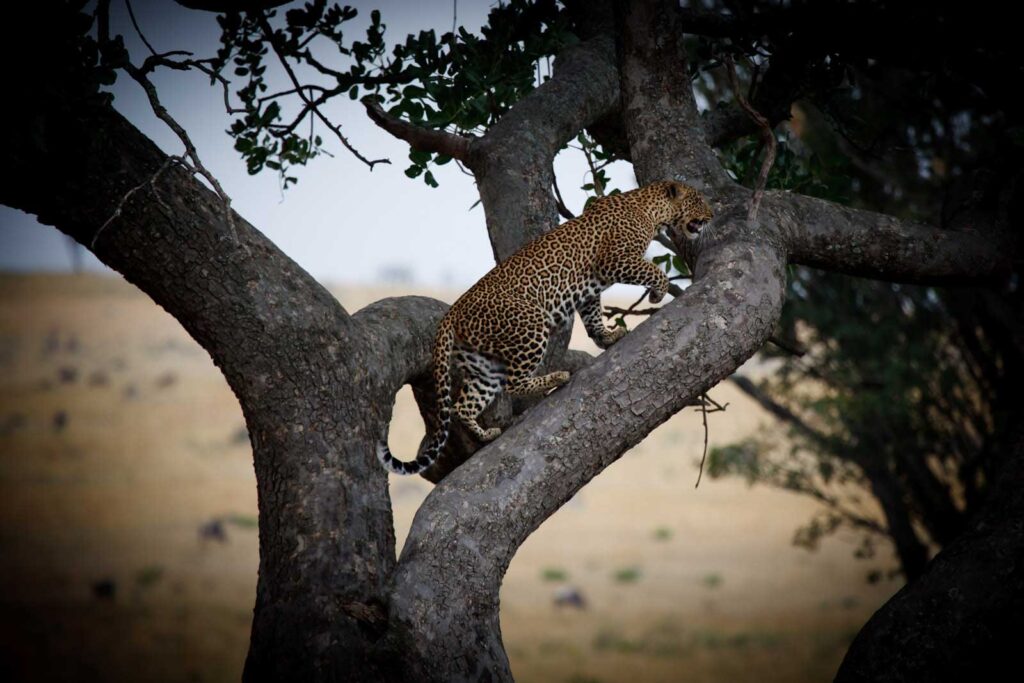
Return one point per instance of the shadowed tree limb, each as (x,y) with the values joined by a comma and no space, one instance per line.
(419,137)
(963,618)
(834,237)
(291,354)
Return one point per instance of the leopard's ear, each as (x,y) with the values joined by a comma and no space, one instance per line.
(672,191)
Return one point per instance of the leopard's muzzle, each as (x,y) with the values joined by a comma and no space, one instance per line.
(694,227)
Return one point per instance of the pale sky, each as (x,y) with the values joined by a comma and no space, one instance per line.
(341,222)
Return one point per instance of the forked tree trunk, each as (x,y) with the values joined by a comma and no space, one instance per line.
(316,384)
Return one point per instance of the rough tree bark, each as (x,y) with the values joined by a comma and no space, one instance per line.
(316,384)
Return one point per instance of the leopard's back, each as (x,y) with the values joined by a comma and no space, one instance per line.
(547,275)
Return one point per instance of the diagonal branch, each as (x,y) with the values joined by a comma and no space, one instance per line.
(513,161)
(783,413)
(480,514)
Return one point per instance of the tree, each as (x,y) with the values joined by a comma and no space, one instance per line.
(316,383)
(906,411)
(909,410)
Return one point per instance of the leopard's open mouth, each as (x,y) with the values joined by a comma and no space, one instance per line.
(694,227)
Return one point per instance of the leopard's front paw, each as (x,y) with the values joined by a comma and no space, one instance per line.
(657,295)
(611,336)
(490,434)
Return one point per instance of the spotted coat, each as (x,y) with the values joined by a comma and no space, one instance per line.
(497,332)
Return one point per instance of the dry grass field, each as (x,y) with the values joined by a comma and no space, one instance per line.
(128,543)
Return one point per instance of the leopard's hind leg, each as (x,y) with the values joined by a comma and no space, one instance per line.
(482,379)
(524,357)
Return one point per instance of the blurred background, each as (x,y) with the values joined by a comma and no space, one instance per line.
(128,522)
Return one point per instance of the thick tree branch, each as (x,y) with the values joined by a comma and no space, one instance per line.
(402,330)
(418,137)
(963,618)
(651,86)
(290,353)
(826,235)
(479,515)
(513,160)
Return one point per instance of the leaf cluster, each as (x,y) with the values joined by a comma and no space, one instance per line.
(459,81)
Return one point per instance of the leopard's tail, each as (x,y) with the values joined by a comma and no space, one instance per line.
(443,346)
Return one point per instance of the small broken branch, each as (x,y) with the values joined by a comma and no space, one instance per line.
(611,311)
(193,162)
(563,210)
(767,136)
(418,137)
(151,182)
(792,347)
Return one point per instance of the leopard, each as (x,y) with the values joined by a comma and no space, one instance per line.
(497,333)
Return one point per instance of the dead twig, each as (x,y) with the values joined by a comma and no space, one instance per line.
(767,136)
(718,408)
(193,162)
(563,210)
(703,457)
(271,37)
(168,162)
(190,160)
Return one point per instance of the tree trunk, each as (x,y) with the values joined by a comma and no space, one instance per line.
(963,619)
(292,355)
(315,384)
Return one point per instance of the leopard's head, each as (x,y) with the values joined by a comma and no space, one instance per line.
(686,210)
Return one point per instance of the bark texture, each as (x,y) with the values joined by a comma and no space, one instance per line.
(306,374)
